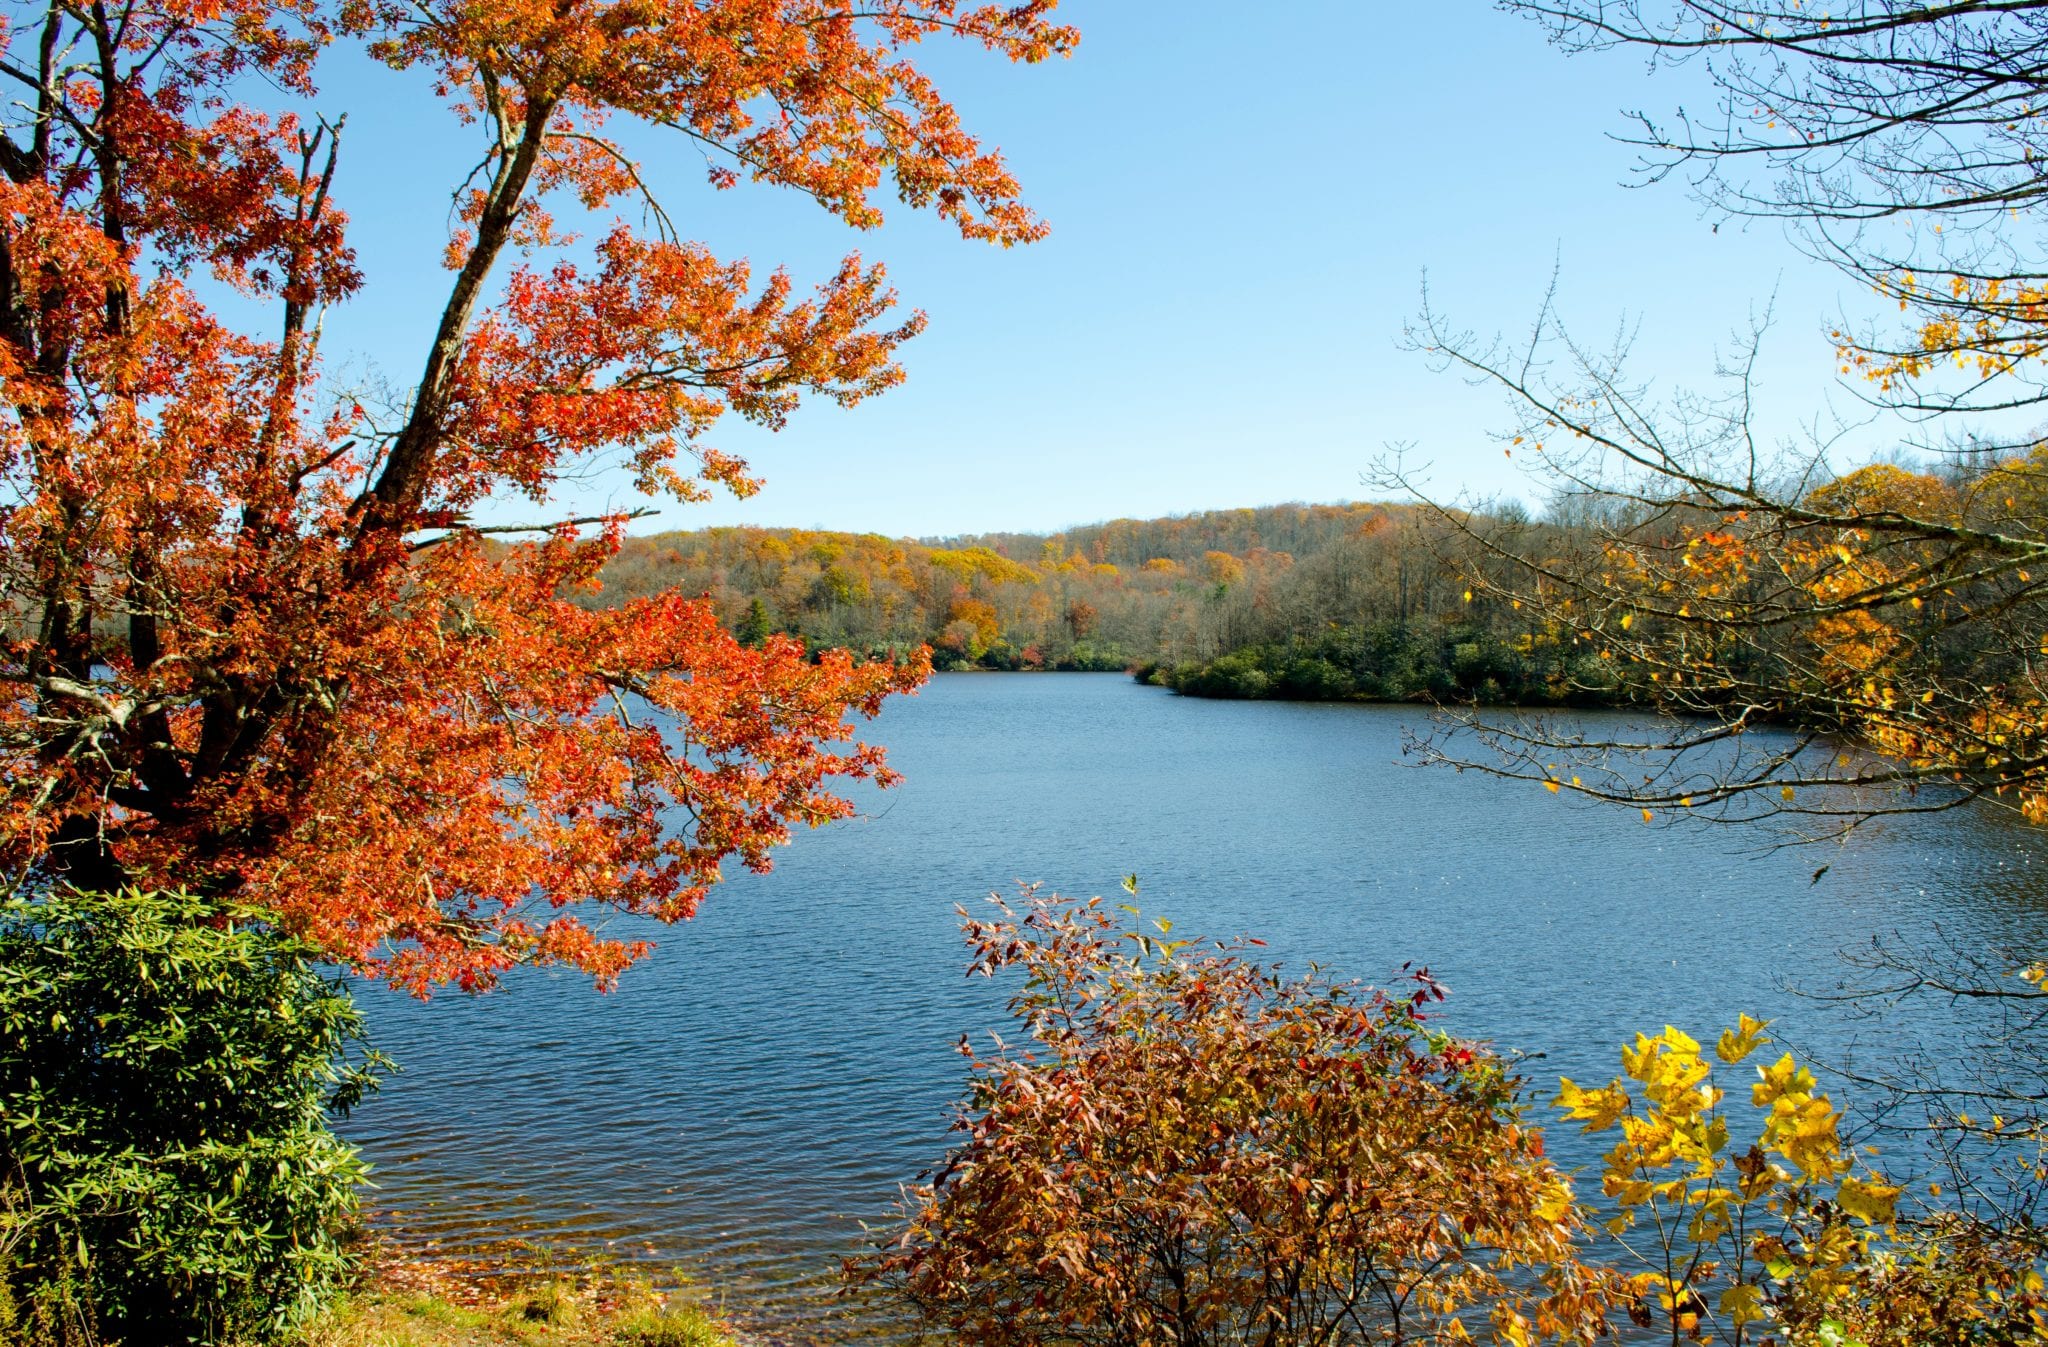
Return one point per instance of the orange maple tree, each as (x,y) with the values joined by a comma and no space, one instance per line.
(257,642)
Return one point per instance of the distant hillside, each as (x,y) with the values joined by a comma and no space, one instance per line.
(1298,530)
(1353,600)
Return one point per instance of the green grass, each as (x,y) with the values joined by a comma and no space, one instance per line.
(424,1311)
(510,1302)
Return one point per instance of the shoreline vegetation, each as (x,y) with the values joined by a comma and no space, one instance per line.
(1378,602)
(1365,601)
(401,1300)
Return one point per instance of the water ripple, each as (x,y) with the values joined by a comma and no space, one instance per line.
(764,1083)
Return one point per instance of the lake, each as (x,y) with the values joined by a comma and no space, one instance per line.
(761,1084)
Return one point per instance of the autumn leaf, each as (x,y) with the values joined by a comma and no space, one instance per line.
(318,687)
(1737,1043)
(1870,1202)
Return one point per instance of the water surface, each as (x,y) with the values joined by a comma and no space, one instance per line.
(763,1083)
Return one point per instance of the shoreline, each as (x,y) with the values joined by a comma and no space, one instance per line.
(400,1299)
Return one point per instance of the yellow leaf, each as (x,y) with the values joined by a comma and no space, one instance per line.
(1647,816)
(1598,1108)
(1743,1304)
(1780,1078)
(1737,1043)
(1785,793)
(1551,786)
(1872,1203)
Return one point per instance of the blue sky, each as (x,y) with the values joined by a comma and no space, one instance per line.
(1244,201)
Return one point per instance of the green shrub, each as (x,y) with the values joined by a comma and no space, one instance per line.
(1089,656)
(1399,661)
(1315,679)
(1234,675)
(166,1066)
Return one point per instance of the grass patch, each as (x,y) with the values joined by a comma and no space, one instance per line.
(410,1304)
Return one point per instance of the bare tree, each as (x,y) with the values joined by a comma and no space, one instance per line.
(1811,645)
(1906,142)
(1736,586)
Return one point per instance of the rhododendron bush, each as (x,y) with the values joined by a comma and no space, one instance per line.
(257,644)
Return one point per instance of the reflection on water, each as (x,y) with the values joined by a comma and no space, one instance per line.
(765,1081)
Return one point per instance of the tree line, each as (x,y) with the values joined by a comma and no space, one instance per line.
(1402,602)
(1364,600)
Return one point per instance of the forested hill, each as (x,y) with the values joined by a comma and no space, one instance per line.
(1299,531)
(1351,600)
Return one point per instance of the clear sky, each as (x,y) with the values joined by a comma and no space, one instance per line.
(1244,201)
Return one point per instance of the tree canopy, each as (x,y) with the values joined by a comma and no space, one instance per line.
(258,644)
